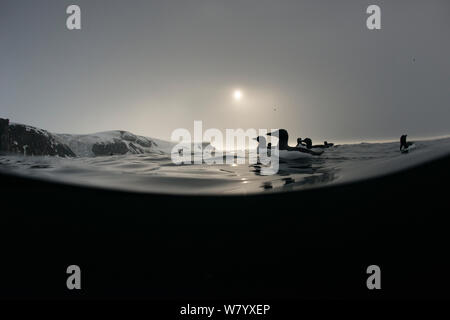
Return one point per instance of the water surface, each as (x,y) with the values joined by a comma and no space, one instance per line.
(155,172)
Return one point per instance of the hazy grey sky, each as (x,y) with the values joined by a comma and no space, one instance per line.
(153,66)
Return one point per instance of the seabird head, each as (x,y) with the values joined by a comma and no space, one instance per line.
(282,135)
(261,140)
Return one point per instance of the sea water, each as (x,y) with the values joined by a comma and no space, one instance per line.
(156,173)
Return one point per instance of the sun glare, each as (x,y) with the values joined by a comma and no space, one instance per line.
(237,95)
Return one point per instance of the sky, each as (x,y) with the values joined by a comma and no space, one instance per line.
(150,67)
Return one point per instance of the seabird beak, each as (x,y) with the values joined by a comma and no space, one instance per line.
(274,133)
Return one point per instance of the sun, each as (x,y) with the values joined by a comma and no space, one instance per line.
(237,95)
